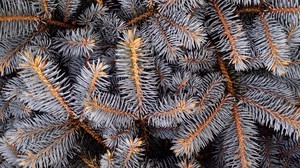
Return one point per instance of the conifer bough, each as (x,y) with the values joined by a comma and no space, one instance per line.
(150,83)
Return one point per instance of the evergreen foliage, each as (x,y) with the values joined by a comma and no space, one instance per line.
(149,83)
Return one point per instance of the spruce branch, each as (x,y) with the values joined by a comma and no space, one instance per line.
(141,17)
(89,162)
(238,127)
(7,62)
(274,49)
(36,19)
(91,132)
(194,34)
(187,142)
(233,31)
(31,159)
(263,8)
(292,125)
(134,44)
(38,65)
(171,116)
(171,50)
(224,71)
(242,152)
